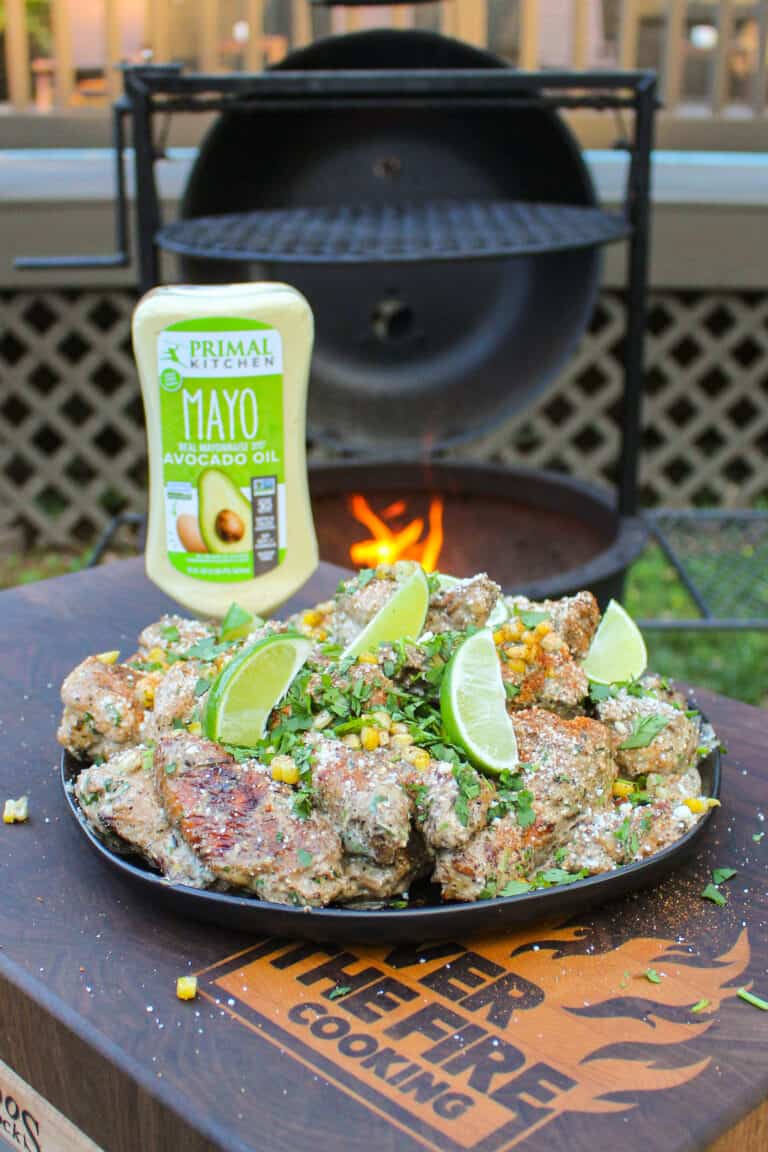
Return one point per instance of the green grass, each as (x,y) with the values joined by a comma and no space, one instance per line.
(734,663)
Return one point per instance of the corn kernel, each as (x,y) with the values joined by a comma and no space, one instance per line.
(352,740)
(16,811)
(516,652)
(419,757)
(322,720)
(384,739)
(108,657)
(532,653)
(312,618)
(698,804)
(551,642)
(528,636)
(399,729)
(186,987)
(382,719)
(195,728)
(321,635)
(325,607)
(500,636)
(367,658)
(148,693)
(156,655)
(283,768)
(369,738)
(542,628)
(517,666)
(514,629)
(623,788)
(402,740)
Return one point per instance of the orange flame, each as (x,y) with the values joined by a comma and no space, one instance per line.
(595,1001)
(386,545)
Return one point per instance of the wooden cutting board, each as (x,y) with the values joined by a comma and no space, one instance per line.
(543,1039)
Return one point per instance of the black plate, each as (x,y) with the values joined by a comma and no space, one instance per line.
(429,922)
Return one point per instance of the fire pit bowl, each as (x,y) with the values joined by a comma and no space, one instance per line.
(536,532)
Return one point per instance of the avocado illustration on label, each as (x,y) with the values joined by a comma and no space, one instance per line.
(225,514)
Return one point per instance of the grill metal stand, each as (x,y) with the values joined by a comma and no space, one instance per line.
(727,584)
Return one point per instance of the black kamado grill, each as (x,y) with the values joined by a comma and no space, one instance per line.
(435,209)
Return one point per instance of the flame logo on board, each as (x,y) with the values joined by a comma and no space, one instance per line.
(486,1043)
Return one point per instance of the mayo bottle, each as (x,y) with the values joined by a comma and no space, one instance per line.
(224,373)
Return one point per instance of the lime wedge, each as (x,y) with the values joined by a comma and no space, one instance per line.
(402,615)
(252,684)
(473,705)
(617,651)
(499,614)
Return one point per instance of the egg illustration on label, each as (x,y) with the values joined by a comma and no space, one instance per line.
(188,531)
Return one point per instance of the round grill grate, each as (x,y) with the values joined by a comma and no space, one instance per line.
(436,230)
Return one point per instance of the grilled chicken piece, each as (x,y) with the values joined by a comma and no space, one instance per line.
(671,751)
(574,618)
(501,852)
(174,634)
(361,793)
(120,800)
(686,786)
(365,880)
(436,792)
(242,824)
(467,604)
(103,708)
(565,764)
(571,766)
(177,696)
(608,838)
(551,680)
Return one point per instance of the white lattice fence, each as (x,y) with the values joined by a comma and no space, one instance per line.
(72,441)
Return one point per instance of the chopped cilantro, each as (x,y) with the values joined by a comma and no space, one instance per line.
(469,788)
(178,724)
(714,894)
(720,875)
(202,686)
(302,803)
(755,1001)
(515,888)
(206,649)
(599,692)
(170,633)
(489,891)
(340,990)
(148,757)
(652,975)
(511,690)
(552,876)
(145,665)
(170,768)
(644,730)
(700,1005)
(305,858)
(364,576)
(757,836)
(531,618)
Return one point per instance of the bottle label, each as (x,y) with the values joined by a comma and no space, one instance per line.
(221,407)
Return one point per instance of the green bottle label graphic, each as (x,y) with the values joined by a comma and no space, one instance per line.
(221,403)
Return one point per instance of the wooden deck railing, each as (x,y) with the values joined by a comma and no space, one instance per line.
(712,54)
